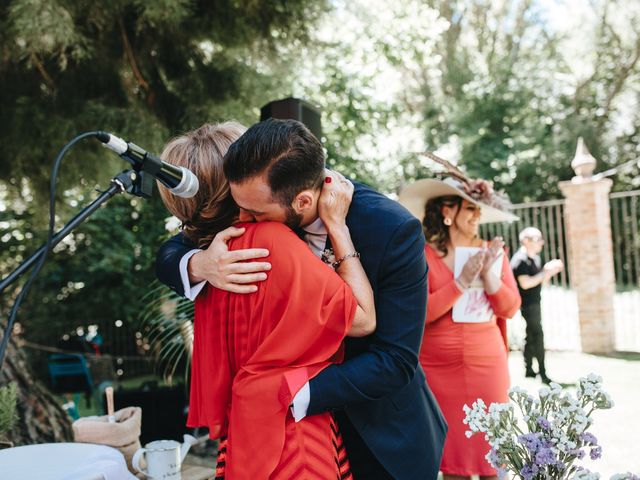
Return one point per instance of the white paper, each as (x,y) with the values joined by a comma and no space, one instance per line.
(473,305)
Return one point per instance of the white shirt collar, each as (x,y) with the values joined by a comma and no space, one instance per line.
(316,227)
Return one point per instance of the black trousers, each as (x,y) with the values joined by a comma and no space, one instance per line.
(534,342)
(364,465)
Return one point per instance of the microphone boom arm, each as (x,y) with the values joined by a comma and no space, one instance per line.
(123,182)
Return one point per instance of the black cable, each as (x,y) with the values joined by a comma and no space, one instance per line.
(52,216)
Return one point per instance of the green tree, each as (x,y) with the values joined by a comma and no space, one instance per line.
(513,99)
(145,71)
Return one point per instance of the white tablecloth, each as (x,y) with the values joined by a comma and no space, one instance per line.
(63,461)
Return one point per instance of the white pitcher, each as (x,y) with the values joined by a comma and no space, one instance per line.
(163,457)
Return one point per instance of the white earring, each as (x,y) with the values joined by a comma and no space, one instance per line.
(447,221)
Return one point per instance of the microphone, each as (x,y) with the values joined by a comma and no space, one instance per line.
(180,181)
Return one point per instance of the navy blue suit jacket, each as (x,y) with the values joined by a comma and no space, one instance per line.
(380,386)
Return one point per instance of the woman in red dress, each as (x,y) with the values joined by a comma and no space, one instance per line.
(464,361)
(253,352)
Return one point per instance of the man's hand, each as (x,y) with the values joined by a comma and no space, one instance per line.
(553,267)
(227,270)
(335,199)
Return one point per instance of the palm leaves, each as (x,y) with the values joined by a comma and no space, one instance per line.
(167,323)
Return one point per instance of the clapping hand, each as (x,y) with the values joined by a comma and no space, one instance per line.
(553,267)
(471,269)
(492,252)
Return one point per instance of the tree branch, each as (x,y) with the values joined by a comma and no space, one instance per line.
(40,67)
(623,74)
(132,61)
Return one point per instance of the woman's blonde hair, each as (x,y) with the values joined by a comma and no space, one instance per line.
(202,151)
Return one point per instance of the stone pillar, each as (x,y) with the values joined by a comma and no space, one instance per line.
(588,233)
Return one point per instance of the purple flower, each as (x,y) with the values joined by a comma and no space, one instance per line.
(595,453)
(530,440)
(545,456)
(493,458)
(544,423)
(545,443)
(577,452)
(588,438)
(529,471)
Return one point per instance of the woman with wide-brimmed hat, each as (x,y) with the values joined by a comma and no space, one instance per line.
(464,361)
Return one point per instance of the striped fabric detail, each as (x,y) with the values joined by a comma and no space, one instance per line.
(344,469)
(222,455)
(314,449)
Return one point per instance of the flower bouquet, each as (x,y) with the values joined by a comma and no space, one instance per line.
(540,438)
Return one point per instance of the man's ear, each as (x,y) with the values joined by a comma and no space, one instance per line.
(304,201)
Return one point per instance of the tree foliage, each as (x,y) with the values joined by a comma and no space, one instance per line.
(502,87)
(505,88)
(145,71)
(512,96)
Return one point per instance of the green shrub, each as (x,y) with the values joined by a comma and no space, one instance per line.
(8,415)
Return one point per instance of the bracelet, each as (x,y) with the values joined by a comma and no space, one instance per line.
(338,262)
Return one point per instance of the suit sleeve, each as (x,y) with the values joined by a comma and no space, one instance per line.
(391,360)
(168,261)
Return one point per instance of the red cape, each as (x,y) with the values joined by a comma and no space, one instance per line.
(253,352)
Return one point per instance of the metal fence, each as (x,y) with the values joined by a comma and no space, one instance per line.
(625,216)
(559,302)
(125,344)
(548,217)
(122,353)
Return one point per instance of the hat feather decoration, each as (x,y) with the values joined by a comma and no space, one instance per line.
(478,189)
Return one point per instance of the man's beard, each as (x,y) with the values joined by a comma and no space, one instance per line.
(293,219)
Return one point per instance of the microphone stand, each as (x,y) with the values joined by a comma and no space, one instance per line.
(136,183)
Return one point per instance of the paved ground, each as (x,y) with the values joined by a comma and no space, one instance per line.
(617,429)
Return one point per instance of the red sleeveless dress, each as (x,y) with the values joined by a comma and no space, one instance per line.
(252,354)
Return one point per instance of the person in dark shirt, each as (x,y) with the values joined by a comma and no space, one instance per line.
(531,275)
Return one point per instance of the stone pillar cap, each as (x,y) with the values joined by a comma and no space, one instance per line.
(583,162)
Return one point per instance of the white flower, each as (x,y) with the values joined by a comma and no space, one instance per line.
(624,476)
(566,414)
(594,378)
(516,390)
(607,402)
(555,387)
(586,475)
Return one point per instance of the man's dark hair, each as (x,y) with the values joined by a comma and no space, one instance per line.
(289,155)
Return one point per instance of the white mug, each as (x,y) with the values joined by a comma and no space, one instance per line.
(163,460)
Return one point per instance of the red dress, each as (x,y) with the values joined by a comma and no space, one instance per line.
(253,352)
(464,362)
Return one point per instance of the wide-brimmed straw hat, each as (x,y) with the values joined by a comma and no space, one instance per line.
(414,197)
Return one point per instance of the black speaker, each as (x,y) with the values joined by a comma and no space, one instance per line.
(164,410)
(294,109)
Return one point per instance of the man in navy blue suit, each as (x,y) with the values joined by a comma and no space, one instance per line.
(390,421)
